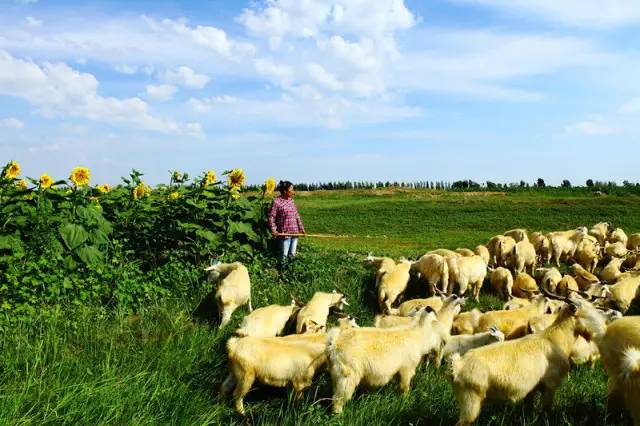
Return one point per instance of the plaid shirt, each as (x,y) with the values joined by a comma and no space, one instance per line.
(284,217)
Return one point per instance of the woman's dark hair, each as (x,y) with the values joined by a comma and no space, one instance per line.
(283,185)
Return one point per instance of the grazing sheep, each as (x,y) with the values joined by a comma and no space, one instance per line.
(470,275)
(619,345)
(564,243)
(633,242)
(502,282)
(611,272)
(522,256)
(516,303)
(434,269)
(461,344)
(312,318)
(584,278)
(618,235)
(587,254)
(392,284)
(525,286)
(483,252)
(542,245)
(623,292)
(492,247)
(616,249)
(517,234)
(374,356)
(406,308)
(466,322)
(234,288)
(549,278)
(465,252)
(601,232)
(268,321)
(542,360)
(274,361)
(504,251)
(541,322)
(567,285)
(513,323)
(381,264)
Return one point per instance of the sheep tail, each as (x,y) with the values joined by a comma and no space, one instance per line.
(630,362)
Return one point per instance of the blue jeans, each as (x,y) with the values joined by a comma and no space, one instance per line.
(288,247)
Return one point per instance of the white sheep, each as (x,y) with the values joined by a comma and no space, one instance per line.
(312,318)
(504,250)
(392,284)
(522,256)
(587,254)
(584,278)
(525,286)
(465,252)
(268,321)
(567,285)
(618,235)
(466,322)
(564,243)
(511,370)
(502,282)
(600,231)
(611,272)
(542,245)
(461,344)
(470,275)
(549,278)
(483,252)
(615,249)
(433,268)
(234,288)
(513,323)
(633,242)
(517,234)
(413,305)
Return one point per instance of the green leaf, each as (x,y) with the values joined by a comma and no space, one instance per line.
(73,235)
(242,228)
(212,238)
(90,255)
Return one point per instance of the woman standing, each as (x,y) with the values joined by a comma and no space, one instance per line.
(285,223)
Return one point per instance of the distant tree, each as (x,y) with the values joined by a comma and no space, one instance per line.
(522,184)
(566,184)
(590,183)
(491,185)
(540,183)
(626,183)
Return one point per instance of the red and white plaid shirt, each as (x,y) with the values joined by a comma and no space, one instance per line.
(284,217)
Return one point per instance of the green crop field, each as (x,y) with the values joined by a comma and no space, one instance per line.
(164,365)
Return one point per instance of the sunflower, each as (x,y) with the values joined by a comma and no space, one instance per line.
(269,186)
(80,176)
(236,178)
(21,184)
(12,170)
(104,188)
(209,178)
(141,190)
(174,196)
(45,181)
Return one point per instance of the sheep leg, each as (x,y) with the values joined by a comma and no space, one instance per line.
(470,403)
(226,315)
(244,381)
(406,374)
(343,389)
(250,307)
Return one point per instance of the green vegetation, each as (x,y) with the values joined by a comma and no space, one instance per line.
(164,364)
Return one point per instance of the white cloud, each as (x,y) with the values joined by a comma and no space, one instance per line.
(579,13)
(279,73)
(209,37)
(33,22)
(57,89)
(631,107)
(11,123)
(160,92)
(324,78)
(125,69)
(594,127)
(185,76)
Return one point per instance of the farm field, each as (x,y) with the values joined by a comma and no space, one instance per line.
(165,364)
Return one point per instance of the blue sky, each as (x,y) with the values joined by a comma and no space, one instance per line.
(318,90)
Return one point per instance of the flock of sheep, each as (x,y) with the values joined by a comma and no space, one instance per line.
(549,322)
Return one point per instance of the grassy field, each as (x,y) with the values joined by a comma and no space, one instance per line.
(165,364)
